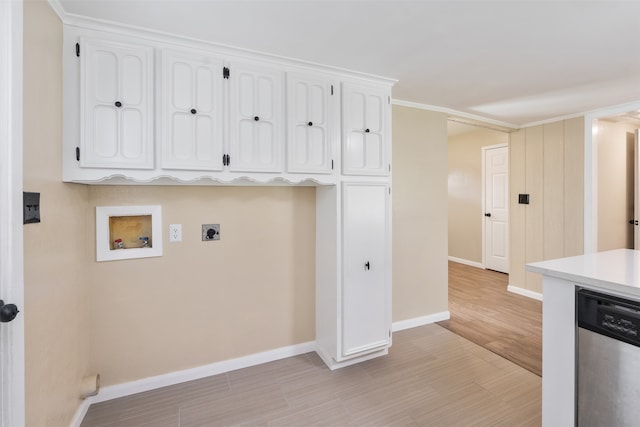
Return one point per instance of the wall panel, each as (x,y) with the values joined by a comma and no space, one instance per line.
(553,193)
(534,178)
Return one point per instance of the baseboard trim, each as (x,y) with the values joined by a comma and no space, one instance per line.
(80,413)
(151,383)
(420,321)
(171,378)
(524,292)
(466,262)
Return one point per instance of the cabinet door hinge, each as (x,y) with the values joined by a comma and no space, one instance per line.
(78,154)
(78,50)
(226,72)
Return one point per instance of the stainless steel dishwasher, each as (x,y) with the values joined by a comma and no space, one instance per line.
(608,360)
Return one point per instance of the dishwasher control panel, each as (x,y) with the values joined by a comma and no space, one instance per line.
(609,315)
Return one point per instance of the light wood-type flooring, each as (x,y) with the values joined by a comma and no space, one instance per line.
(431,377)
(483,311)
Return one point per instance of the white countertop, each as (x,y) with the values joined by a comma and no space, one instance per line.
(616,271)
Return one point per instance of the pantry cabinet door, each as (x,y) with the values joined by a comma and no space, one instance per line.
(366,297)
(192,107)
(116,112)
(310,124)
(366,136)
(256,133)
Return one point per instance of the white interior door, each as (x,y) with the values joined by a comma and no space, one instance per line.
(11,264)
(496,207)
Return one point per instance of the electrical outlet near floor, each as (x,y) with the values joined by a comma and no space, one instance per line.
(210,232)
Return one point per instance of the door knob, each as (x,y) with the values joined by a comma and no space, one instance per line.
(487,214)
(8,312)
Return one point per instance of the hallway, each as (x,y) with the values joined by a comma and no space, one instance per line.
(484,312)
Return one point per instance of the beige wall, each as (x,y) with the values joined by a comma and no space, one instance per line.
(547,162)
(204,302)
(420,274)
(465,191)
(615,185)
(56,294)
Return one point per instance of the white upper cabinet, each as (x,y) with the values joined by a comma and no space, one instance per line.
(256,109)
(365,145)
(116,111)
(192,111)
(310,124)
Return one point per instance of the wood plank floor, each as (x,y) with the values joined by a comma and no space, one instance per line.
(431,377)
(484,312)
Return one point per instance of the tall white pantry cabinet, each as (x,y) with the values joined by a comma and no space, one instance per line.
(353,235)
(151,109)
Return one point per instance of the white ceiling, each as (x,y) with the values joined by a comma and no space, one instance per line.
(515,62)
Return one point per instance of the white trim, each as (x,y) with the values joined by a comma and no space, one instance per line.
(456,113)
(171,378)
(332,364)
(467,262)
(58,9)
(159,36)
(524,292)
(420,321)
(80,413)
(12,366)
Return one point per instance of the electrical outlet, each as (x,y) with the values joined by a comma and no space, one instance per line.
(175,232)
(210,232)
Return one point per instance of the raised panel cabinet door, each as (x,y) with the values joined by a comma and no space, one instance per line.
(366,309)
(365,147)
(192,103)
(256,135)
(309,124)
(116,122)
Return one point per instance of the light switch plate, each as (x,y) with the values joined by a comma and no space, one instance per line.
(210,232)
(31,208)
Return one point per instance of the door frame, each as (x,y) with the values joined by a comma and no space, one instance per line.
(591,170)
(12,378)
(484,150)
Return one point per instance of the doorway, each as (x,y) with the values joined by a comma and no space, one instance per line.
(466,192)
(615,152)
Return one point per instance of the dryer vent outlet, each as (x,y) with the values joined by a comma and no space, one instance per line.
(210,232)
